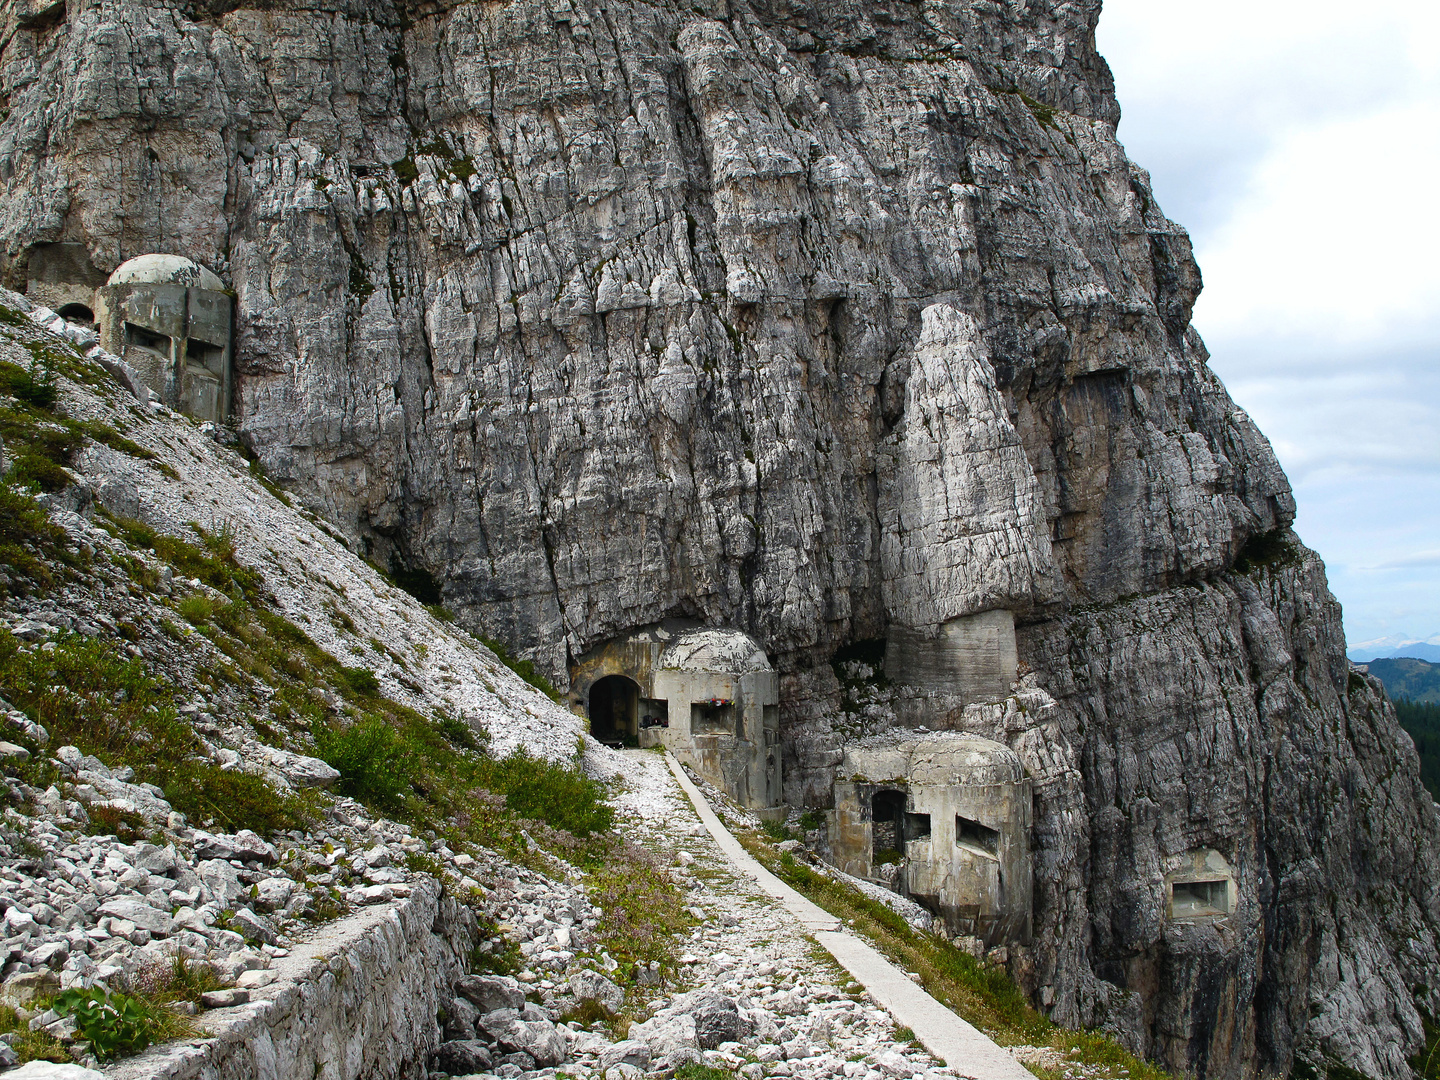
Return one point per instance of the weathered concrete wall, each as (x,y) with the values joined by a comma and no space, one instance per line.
(358,999)
(972,657)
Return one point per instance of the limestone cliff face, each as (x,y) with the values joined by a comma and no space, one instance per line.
(812,320)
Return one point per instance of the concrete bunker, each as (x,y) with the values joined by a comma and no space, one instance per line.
(170,319)
(945,819)
(710,696)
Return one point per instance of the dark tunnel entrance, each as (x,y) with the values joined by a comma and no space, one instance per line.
(614,711)
(887,829)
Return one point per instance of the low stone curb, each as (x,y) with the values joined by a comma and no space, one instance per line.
(359,997)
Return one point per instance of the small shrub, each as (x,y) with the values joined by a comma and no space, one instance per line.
(39,471)
(360,680)
(24,527)
(587,1014)
(777,831)
(37,389)
(418,862)
(457,732)
(1043,113)
(405,170)
(495,954)
(373,759)
(559,795)
(811,820)
(196,609)
(176,979)
(116,1024)
(203,791)
(693,1070)
(105,820)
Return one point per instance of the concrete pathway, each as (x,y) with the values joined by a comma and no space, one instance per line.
(955,1042)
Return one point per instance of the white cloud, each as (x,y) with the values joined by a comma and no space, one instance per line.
(1335,240)
(1298,142)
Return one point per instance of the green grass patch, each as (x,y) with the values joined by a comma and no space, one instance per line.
(196,609)
(125,825)
(117,1025)
(644,911)
(28,538)
(777,831)
(694,1070)
(559,795)
(494,954)
(211,561)
(31,1045)
(1044,114)
(120,1024)
(34,386)
(360,680)
(1427,1062)
(88,696)
(374,760)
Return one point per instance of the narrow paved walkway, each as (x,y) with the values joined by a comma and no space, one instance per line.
(961,1046)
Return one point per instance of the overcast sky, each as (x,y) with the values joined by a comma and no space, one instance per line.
(1300,145)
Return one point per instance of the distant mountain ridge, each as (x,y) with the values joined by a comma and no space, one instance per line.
(1385,649)
(1408,677)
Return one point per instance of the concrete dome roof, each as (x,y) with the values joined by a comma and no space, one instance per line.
(164,269)
(722,651)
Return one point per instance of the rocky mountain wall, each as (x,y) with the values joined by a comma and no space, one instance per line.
(811,320)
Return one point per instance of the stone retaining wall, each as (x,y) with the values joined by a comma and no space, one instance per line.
(358,999)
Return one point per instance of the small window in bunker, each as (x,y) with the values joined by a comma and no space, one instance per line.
(78,314)
(614,711)
(712,718)
(887,826)
(972,834)
(917,827)
(1191,899)
(201,354)
(654,712)
(147,339)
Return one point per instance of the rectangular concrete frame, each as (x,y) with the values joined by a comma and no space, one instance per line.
(745,765)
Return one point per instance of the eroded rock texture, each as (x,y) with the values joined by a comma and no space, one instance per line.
(811,320)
